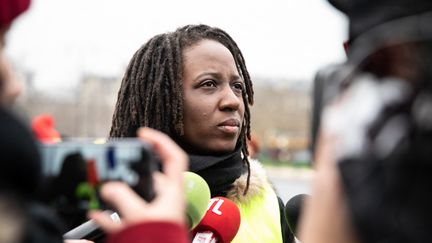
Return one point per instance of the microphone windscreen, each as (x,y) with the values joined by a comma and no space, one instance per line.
(222,219)
(293,210)
(197,198)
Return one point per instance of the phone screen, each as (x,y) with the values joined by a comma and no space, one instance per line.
(74,170)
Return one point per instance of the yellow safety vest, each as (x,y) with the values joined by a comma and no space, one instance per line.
(260,219)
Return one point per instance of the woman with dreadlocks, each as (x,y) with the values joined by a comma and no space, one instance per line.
(193,85)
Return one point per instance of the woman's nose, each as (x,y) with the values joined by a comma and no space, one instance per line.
(229,99)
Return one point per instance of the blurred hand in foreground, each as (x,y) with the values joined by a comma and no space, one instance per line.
(169,203)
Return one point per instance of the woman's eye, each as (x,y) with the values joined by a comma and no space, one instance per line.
(208,83)
(238,86)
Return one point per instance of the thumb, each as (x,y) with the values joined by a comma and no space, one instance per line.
(104,220)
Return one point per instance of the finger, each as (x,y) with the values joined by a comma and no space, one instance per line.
(165,188)
(123,198)
(325,152)
(174,159)
(168,192)
(159,183)
(104,220)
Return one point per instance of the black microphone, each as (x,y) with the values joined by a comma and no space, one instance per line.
(89,230)
(293,210)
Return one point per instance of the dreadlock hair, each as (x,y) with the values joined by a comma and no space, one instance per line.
(151,92)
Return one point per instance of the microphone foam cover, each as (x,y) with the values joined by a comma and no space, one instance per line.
(197,198)
(293,210)
(222,218)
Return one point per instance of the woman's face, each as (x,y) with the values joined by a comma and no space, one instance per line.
(213,103)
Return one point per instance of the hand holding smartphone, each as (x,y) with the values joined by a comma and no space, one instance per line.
(74,170)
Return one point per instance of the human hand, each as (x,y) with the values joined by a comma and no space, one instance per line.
(327,202)
(169,203)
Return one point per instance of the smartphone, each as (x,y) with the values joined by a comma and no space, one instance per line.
(74,170)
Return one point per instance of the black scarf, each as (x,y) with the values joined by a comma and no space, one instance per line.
(218,171)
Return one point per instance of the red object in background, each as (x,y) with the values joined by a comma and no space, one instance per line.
(44,130)
(92,176)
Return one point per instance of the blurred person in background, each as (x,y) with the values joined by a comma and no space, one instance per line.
(10,86)
(23,219)
(253,146)
(193,85)
(373,155)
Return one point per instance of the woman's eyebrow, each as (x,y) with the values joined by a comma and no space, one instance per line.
(209,73)
(219,76)
(236,77)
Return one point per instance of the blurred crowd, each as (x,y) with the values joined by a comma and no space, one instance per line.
(187,93)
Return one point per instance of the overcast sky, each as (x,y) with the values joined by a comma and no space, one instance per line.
(59,40)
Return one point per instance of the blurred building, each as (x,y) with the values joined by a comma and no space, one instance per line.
(281,118)
(86,113)
(280,115)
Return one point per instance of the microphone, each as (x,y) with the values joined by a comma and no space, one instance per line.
(293,210)
(220,223)
(89,230)
(197,198)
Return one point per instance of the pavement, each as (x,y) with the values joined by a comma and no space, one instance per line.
(289,173)
(290,181)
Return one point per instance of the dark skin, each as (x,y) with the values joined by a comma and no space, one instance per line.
(152,94)
(213,102)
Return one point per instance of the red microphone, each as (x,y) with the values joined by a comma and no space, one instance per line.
(220,223)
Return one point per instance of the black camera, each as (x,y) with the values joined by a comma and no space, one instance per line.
(328,84)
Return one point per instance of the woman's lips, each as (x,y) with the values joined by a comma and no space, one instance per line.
(230,126)
(229,129)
